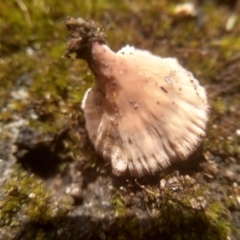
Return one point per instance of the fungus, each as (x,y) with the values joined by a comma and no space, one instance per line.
(144,112)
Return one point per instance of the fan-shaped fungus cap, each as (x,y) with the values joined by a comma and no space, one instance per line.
(144,112)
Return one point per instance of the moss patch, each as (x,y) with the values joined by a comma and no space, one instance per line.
(24,199)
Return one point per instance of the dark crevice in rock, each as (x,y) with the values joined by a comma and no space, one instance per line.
(40,154)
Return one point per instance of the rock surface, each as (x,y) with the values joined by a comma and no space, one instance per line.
(54,185)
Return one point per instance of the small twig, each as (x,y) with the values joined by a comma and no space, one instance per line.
(25,11)
(145,189)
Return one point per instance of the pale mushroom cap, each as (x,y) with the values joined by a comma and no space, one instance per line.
(144,111)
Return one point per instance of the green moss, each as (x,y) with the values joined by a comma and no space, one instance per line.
(130,229)
(177,221)
(228,46)
(118,203)
(219,106)
(185,213)
(24,199)
(183,209)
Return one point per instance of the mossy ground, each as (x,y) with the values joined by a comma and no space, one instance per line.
(24,197)
(32,43)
